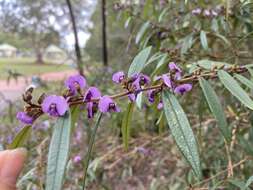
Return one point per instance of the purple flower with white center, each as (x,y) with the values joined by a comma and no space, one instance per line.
(141,80)
(118,77)
(183,88)
(207,13)
(196,11)
(106,104)
(160,105)
(91,93)
(24,118)
(55,105)
(75,83)
(77,159)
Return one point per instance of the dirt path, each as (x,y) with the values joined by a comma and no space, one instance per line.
(14,90)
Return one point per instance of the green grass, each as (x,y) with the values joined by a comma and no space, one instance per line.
(28,67)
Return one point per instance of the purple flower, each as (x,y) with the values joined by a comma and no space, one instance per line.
(196,11)
(174,68)
(24,118)
(106,104)
(183,88)
(91,93)
(141,80)
(118,77)
(77,159)
(166,80)
(55,105)
(207,13)
(160,105)
(75,83)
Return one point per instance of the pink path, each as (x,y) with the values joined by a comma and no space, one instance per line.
(13,90)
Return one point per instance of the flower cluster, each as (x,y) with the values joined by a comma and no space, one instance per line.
(78,93)
(208,13)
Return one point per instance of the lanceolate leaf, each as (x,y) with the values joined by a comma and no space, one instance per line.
(58,153)
(203,40)
(245,81)
(125,127)
(181,131)
(232,85)
(21,137)
(139,61)
(215,107)
(141,32)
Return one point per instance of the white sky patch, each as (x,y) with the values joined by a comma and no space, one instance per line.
(82,37)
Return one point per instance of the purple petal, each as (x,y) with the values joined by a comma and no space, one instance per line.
(151,96)
(196,11)
(24,118)
(160,106)
(182,89)
(75,82)
(167,81)
(77,159)
(174,67)
(207,13)
(118,77)
(106,104)
(91,109)
(132,97)
(92,93)
(54,105)
(61,105)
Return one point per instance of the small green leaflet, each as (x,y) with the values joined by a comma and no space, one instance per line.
(232,85)
(58,153)
(215,107)
(125,127)
(245,81)
(203,40)
(141,32)
(139,62)
(21,137)
(181,131)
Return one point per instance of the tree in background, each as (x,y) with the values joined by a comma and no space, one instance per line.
(42,22)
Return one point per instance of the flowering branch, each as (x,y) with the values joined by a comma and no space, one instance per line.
(57,105)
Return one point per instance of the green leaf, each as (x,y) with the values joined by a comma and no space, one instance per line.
(187,44)
(203,40)
(125,127)
(215,107)
(232,85)
(249,181)
(21,137)
(127,22)
(209,64)
(181,131)
(139,61)
(58,153)
(90,148)
(245,81)
(141,32)
(163,13)
(237,183)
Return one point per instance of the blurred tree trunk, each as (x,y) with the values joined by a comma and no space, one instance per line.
(39,57)
(104,34)
(77,47)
